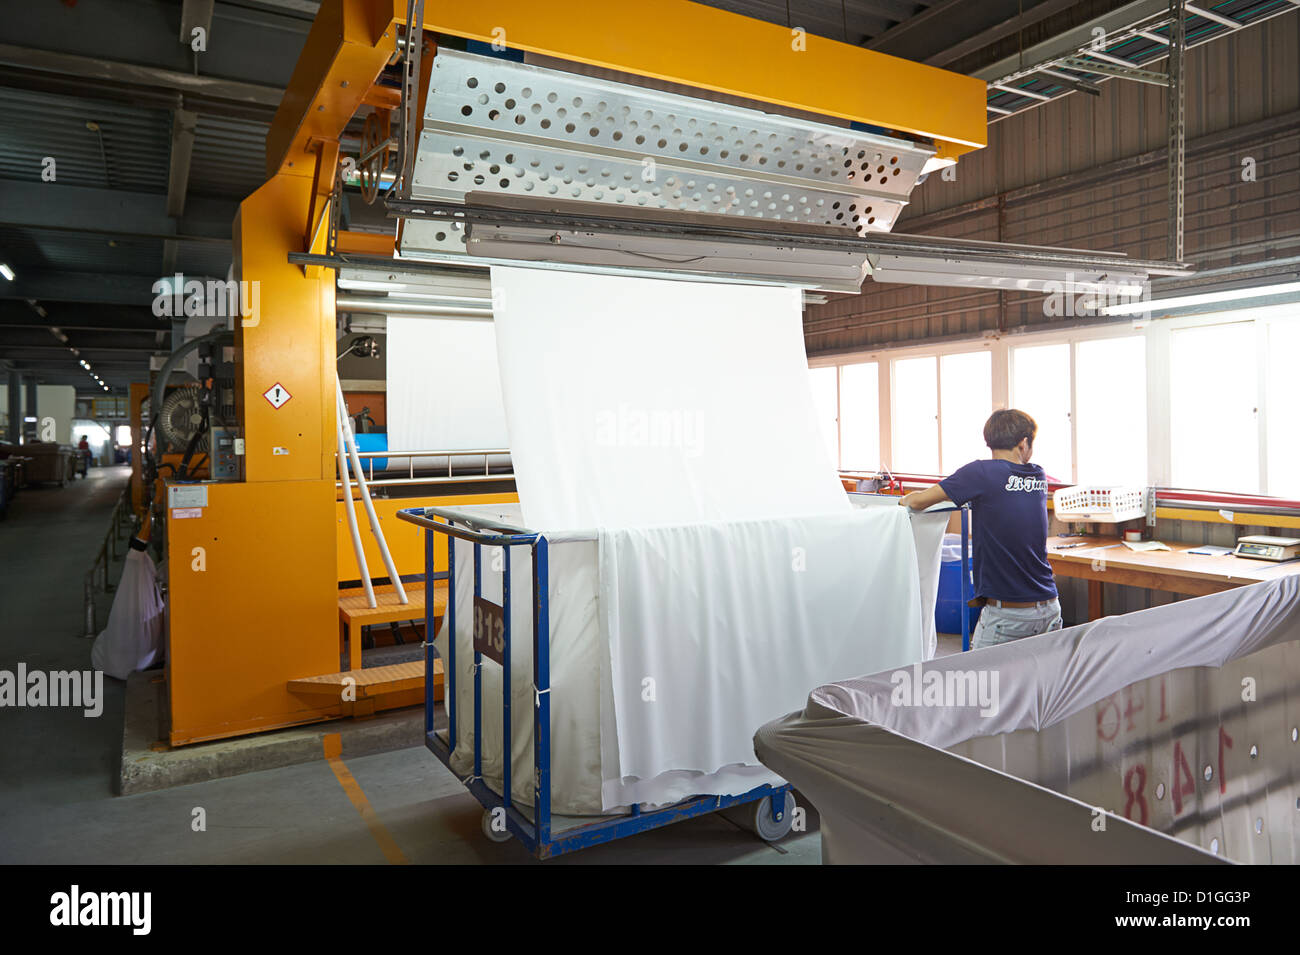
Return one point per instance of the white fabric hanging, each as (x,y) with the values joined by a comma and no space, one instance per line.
(634,402)
(132,640)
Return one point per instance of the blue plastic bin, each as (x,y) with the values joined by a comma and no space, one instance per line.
(373,441)
(947,609)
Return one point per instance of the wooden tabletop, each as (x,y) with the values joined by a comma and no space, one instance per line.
(1219,572)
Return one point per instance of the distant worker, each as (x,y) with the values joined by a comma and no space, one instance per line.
(83,452)
(1008,497)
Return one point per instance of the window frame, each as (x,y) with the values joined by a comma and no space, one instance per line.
(1157,334)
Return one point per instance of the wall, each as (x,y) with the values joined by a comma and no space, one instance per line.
(60,403)
(1089,172)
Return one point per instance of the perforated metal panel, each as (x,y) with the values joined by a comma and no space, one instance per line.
(497,126)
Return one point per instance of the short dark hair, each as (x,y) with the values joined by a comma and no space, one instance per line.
(1006,428)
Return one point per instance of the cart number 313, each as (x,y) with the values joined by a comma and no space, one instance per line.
(489,630)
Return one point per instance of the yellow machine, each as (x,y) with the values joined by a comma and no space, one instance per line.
(255,564)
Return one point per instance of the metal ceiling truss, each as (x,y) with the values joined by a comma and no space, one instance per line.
(1128,53)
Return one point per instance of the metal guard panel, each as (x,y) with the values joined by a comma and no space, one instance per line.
(498,126)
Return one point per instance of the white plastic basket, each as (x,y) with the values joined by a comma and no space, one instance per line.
(1106,504)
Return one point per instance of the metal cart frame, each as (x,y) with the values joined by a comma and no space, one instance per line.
(536,834)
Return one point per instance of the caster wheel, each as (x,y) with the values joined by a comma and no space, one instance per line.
(767,828)
(490,830)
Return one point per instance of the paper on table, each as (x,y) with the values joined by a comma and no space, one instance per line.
(1211,550)
(1143,546)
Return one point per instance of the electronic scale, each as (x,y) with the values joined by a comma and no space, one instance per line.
(1262,547)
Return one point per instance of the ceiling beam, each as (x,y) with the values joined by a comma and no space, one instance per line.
(97,287)
(184,124)
(120,212)
(149,77)
(998,31)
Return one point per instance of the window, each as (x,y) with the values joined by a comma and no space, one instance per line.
(1111,411)
(916,416)
(1040,387)
(966,394)
(860,417)
(825,392)
(1213,430)
(1283,407)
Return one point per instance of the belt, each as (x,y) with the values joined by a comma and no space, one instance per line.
(1019,603)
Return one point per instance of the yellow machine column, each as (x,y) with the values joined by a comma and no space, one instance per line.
(252,564)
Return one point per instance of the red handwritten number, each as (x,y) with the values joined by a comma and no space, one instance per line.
(1135,796)
(1224,740)
(1164,712)
(1130,709)
(1101,720)
(1184,782)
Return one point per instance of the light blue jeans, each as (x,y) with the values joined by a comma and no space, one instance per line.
(1004,624)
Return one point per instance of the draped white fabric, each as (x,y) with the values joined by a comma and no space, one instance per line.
(634,402)
(673,423)
(713,629)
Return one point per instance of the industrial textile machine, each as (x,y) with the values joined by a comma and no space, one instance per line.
(671,139)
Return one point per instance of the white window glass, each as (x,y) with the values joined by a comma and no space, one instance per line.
(1283,409)
(966,392)
(124,435)
(1040,387)
(1213,429)
(1110,382)
(916,416)
(860,417)
(826,401)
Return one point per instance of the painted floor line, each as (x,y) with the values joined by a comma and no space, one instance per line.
(333,755)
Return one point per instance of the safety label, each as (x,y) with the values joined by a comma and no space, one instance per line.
(277,395)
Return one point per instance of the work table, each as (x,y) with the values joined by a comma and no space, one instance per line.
(1107,560)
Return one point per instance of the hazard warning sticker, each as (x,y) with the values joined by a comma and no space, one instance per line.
(277,395)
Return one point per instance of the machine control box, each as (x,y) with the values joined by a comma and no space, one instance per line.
(227,455)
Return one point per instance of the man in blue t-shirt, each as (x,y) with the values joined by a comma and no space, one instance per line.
(1008,498)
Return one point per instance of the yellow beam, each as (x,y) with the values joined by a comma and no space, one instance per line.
(1215,517)
(683,42)
(676,41)
(349,44)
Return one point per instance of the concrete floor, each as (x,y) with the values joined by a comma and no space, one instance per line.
(57,767)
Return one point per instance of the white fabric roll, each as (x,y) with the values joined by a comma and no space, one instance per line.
(444,387)
(634,402)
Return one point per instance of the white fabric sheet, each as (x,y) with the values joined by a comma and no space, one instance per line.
(713,629)
(444,386)
(132,640)
(634,402)
(673,422)
(928,535)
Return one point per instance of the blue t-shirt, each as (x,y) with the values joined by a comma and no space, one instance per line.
(1009,507)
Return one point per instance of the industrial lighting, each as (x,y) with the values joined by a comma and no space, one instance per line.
(1202,298)
(6,272)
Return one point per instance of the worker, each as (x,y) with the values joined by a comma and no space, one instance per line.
(1008,498)
(83,452)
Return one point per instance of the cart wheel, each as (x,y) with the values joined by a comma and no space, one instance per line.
(767,828)
(491,833)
